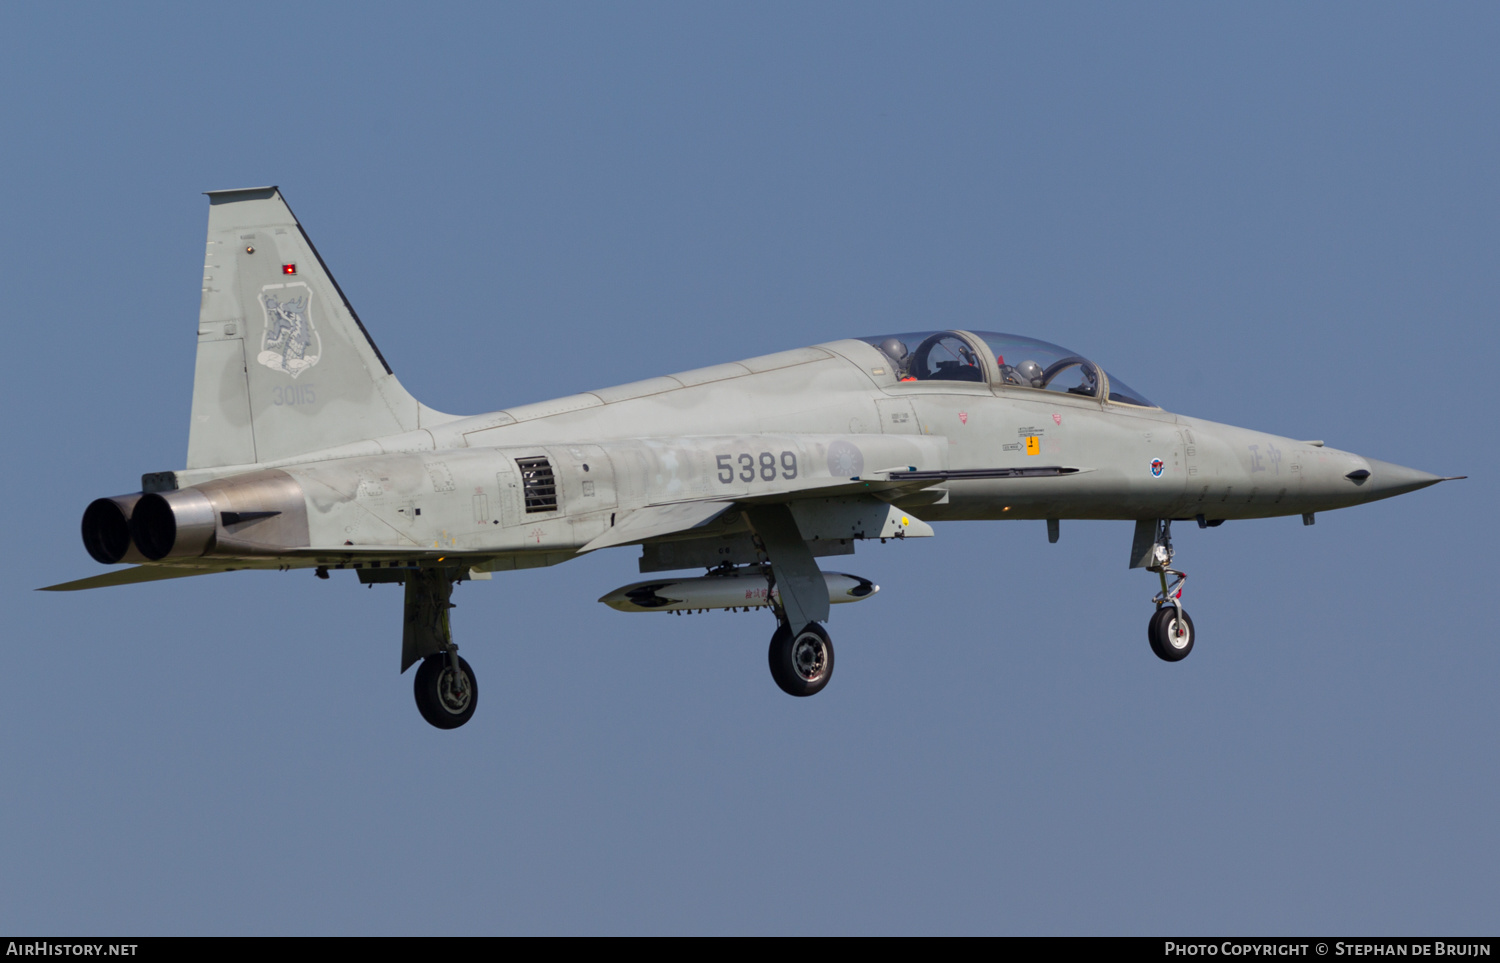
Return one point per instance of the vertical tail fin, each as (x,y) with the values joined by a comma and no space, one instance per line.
(284,364)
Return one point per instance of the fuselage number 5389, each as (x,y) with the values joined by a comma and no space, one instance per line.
(765,466)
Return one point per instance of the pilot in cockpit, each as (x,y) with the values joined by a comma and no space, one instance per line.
(1027,374)
(895,349)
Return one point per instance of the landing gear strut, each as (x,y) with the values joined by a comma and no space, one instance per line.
(445,688)
(801,660)
(1170,629)
(801,663)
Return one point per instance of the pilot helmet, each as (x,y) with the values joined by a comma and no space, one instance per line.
(1031,373)
(895,348)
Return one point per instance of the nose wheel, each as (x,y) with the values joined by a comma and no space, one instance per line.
(1171,628)
(801,663)
(1171,633)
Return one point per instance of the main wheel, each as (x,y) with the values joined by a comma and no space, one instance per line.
(1170,641)
(444,698)
(801,664)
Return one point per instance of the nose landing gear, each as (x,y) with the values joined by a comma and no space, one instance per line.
(1170,629)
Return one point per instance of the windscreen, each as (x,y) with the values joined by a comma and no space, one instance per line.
(1122,393)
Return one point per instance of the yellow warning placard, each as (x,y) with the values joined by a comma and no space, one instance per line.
(1033,445)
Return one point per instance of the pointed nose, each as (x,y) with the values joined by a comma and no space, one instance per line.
(1385,479)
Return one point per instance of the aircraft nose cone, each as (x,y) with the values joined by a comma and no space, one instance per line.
(1386,479)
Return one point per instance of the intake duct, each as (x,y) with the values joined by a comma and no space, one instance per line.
(172,524)
(106,529)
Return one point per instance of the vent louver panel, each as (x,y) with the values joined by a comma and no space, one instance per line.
(538,484)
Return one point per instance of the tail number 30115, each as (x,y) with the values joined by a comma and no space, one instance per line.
(294,395)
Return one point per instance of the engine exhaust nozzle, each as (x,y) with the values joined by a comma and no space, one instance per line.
(106,529)
(173,524)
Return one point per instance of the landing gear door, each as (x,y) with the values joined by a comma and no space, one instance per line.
(897,417)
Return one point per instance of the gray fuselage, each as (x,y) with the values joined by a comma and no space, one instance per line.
(782,427)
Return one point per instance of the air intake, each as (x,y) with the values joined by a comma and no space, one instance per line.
(538,484)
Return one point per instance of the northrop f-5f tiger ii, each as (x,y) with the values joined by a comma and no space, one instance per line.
(305,452)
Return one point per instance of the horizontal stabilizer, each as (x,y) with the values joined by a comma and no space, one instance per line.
(130,576)
(657,520)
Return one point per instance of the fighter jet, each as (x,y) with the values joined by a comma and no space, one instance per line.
(305,452)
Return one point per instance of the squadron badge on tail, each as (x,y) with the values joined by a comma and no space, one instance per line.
(290,343)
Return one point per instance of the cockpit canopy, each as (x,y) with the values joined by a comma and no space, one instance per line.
(1018,363)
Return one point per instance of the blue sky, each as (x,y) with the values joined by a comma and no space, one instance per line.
(1277,216)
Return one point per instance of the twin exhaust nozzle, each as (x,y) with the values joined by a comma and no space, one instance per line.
(258,513)
(149,527)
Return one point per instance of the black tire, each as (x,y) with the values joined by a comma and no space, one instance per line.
(1162,632)
(801,664)
(1151,635)
(779,642)
(439,704)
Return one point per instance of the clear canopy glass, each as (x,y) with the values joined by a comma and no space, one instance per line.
(1122,393)
(1022,363)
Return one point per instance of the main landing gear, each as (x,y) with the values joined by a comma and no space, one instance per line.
(445,688)
(801,660)
(802,663)
(1171,628)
